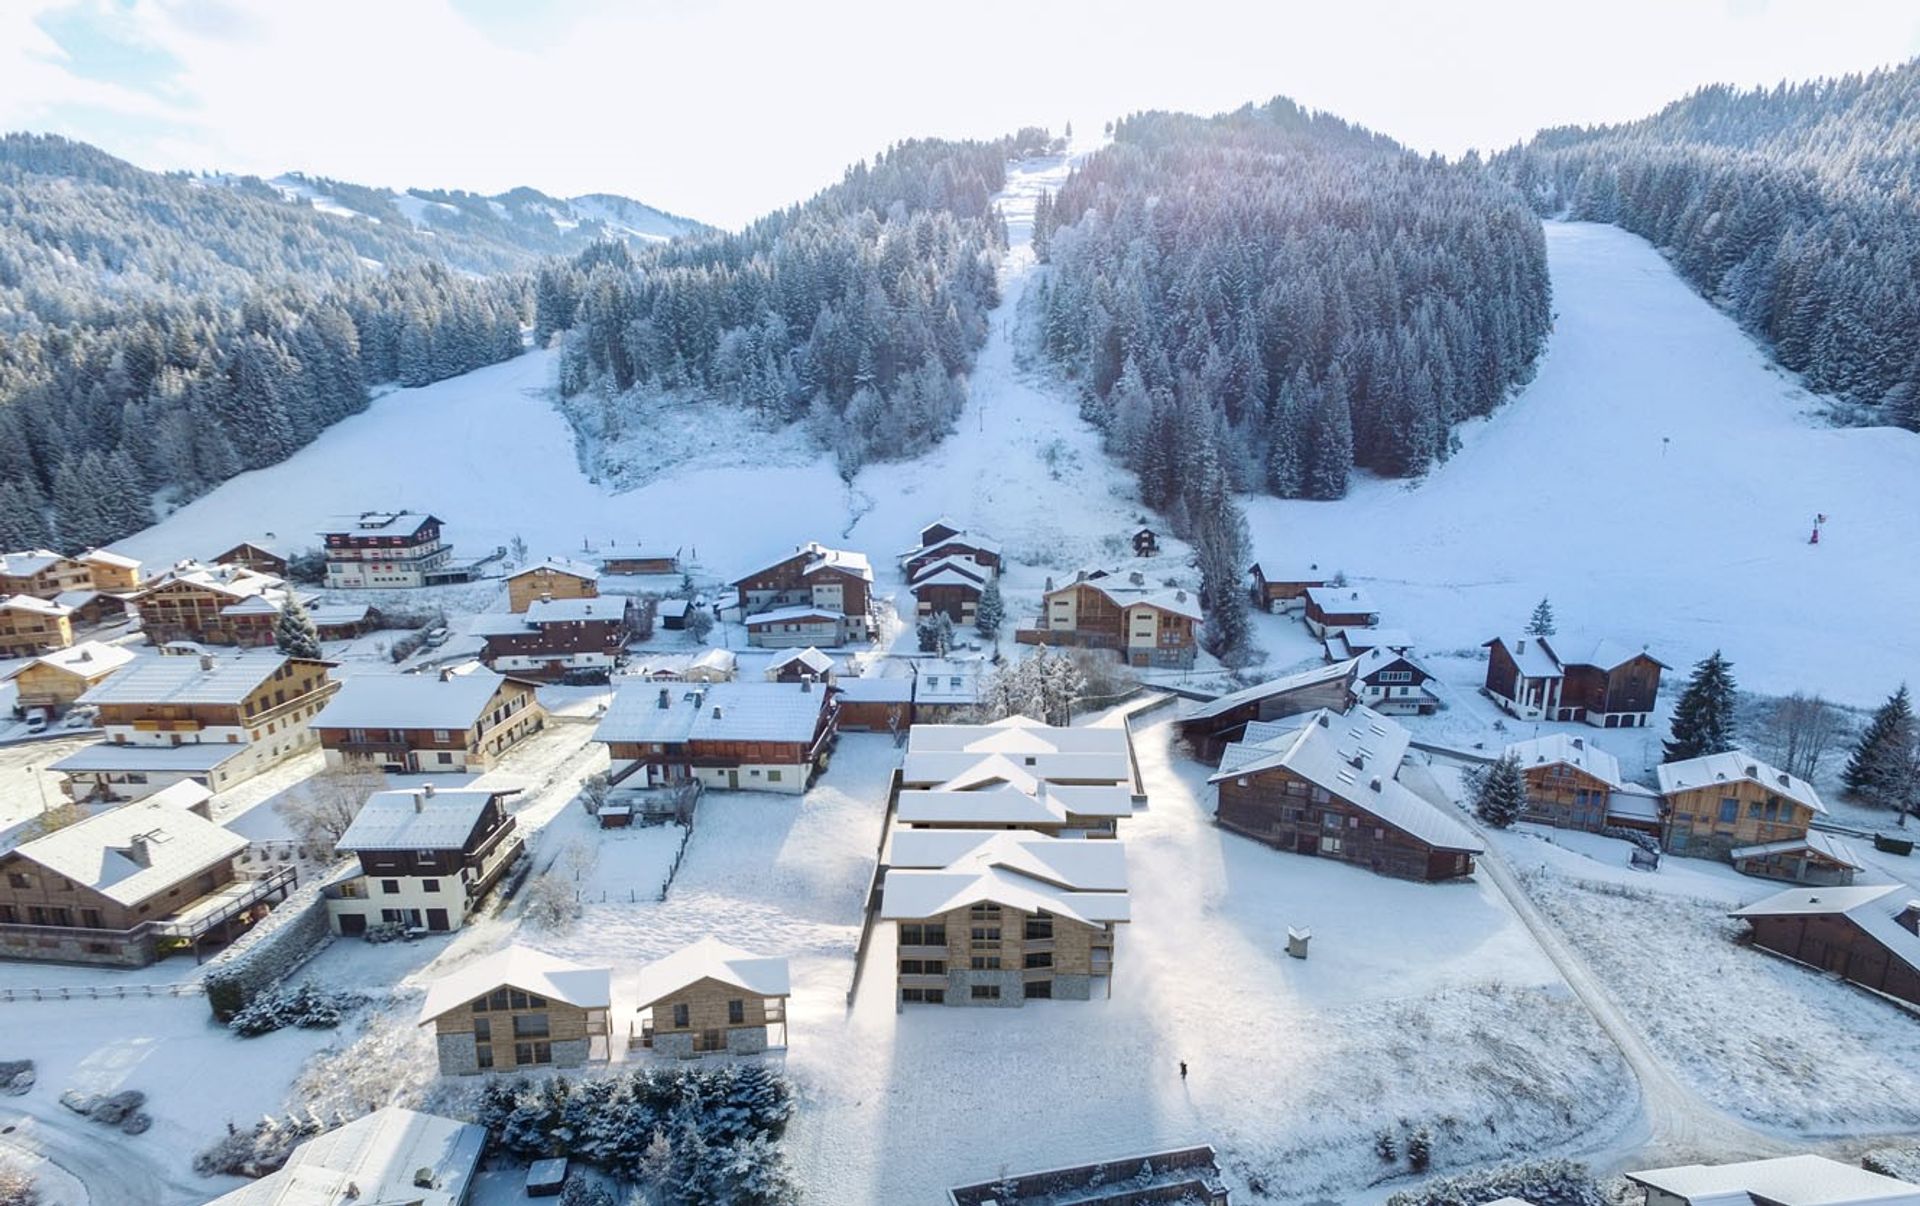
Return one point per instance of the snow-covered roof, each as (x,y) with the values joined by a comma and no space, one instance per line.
(270,602)
(1374,660)
(1578,752)
(128,854)
(374,1161)
(1342,600)
(1782,1181)
(637,552)
(234,581)
(1081,880)
(947,681)
(736,711)
(89,659)
(1824,845)
(417,818)
(1025,801)
(879,689)
(328,614)
(791,615)
(213,679)
(819,558)
(76,599)
(1273,686)
(542,612)
(1532,655)
(1603,652)
(526,969)
(1354,757)
(187,794)
(808,659)
(960,756)
(1343,643)
(712,959)
(1732,767)
(190,757)
(27,563)
(671,607)
(963,539)
(1312,575)
(951,571)
(560,565)
(1086,866)
(109,557)
(1131,589)
(410,701)
(41,607)
(1632,802)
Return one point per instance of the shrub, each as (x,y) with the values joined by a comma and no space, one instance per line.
(1646,841)
(308,1007)
(17,1186)
(1543,1183)
(256,1151)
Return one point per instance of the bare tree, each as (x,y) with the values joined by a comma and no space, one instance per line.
(1798,731)
(17,1187)
(593,792)
(319,810)
(552,902)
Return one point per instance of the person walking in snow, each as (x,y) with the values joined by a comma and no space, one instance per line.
(1183,1069)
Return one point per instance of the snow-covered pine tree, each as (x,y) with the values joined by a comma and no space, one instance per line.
(1542,622)
(295,633)
(1885,766)
(1703,717)
(992,611)
(935,634)
(1500,794)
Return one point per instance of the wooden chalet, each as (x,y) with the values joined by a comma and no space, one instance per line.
(1393,683)
(709,998)
(1286,589)
(999,919)
(390,549)
(92,608)
(1211,727)
(636,559)
(109,571)
(555,638)
(427,858)
(1817,858)
(30,626)
(949,586)
(944,540)
(1864,934)
(418,723)
(1144,625)
(257,557)
(672,613)
(875,703)
(554,578)
(55,681)
(1724,802)
(42,574)
(1567,678)
(946,689)
(1324,785)
(753,736)
(801,666)
(1145,543)
(1569,780)
(519,1008)
(813,581)
(127,886)
(204,604)
(1330,607)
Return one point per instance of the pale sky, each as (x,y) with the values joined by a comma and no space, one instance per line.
(722,110)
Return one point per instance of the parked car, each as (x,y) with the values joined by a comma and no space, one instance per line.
(437,637)
(80,718)
(37,720)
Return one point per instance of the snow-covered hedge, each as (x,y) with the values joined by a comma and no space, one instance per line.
(1543,1183)
(1639,837)
(692,1135)
(257,1151)
(307,1006)
(269,952)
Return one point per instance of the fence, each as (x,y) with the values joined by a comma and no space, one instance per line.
(102,992)
(686,836)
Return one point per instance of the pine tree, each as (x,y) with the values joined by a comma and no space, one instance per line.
(992,611)
(295,633)
(935,634)
(1542,622)
(1500,794)
(1703,719)
(1886,760)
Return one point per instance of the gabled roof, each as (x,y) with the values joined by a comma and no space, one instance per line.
(790,615)
(27,563)
(732,711)
(1782,1181)
(672,607)
(1123,590)
(809,659)
(1342,600)
(191,757)
(382,521)
(960,536)
(1602,652)
(712,959)
(1273,686)
(1014,802)
(1348,642)
(1065,862)
(374,1161)
(1734,766)
(412,701)
(1823,846)
(1578,752)
(213,679)
(820,558)
(128,854)
(961,755)
(952,571)
(88,659)
(560,565)
(420,818)
(875,689)
(526,969)
(611,609)
(109,557)
(1081,880)
(1384,657)
(233,581)
(35,605)
(1531,654)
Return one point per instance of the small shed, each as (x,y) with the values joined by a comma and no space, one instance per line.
(672,613)
(616,816)
(1145,543)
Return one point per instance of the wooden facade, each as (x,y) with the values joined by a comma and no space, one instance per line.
(1620,696)
(800,580)
(30,626)
(1834,943)
(1717,818)
(958,601)
(1278,594)
(511,1030)
(181,610)
(42,574)
(1098,613)
(706,1015)
(512,715)
(551,650)
(109,571)
(957,544)
(257,558)
(1207,736)
(1285,810)
(1565,796)
(547,581)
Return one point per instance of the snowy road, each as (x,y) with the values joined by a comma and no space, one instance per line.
(101,1168)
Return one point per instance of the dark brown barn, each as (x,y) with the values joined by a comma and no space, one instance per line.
(1863,934)
(1210,728)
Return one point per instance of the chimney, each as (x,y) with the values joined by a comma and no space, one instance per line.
(1579,743)
(139,851)
(206,661)
(1786,780)
(1180,595)
(1324,722)
(86,655)
(806,684)
(1753,772)
(719,713)
(666,698)
(446,674)
(1520,646)
(1079,575)
(1137,578)
(1375,784)
(1357,761)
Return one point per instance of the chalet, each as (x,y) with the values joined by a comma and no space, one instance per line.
(756,736)
(30,626)
(554,578)
(127,886)
(1144,625)
(875,703)
(254,622)
(708,666)
(1817,858)
(386,549)
(795,627)
(1721,803)
(1342,643)
(92,608)
(1330,607)
(342,621)
(1285,589)
(1570,781)
(215,720)
(194,602)
(427,858)
(1781,1181)
(111,571)
(637,559)
(56,680)
(1211,727)
(998,919)
(1567,678)
(801,665)
(672,613)
(1865,934)
(257,557)
(814,580)
(1324,785)
(946,689)
(1018,749)
(944,540)
(557,637)
(1145,543)
(1392,683)
(711,997)
(392,1155)
(415,723)
(950,586)
(42,573)
(519,1008)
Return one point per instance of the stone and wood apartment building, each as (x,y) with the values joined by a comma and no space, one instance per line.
(519,1009)
(422,724)
(710,997)
(128,886)
(752,736)
(1143,624)
(814,578)
(216,720)
(1601,682)
(427,858)
(1324,785)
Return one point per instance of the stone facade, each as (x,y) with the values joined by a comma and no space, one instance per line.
(101,948)
(747,1040)
(1072,988)
(570,1053)
(677,1044)
(457,1054)
(1010,981)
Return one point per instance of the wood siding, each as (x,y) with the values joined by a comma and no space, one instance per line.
(1832,943)
(1627,688)
(1695,825)
(1208,737)
(1565,796)
(529,586)
(1284,810)
(708,1002)
(32,895)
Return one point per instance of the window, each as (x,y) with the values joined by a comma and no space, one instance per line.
(986,963)
(479,1005)
(532,1053)
(1330,820)
(90,918)
(444,758)
(736,1013)
(1753,810)
(984,910)
(531,1025)
(923,967)
(681,1017)
(1396,676)
(498,999)
(773,776)
(986,933)
(525,1000)
(985,992)
(440,735)
(1729,810)
(929,996)
(429,885)
(19,879)
(482,1030)
(390,886)
(483,1056)
(423,857)
(8,915)
(1042,959)
(1329,844)
(1039,927)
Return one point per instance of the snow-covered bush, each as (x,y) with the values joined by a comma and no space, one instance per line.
(306,1006)
(256,1151)
(552,902)
(1900,1163)
(17,1186)
(1639,837)
(1543,1183)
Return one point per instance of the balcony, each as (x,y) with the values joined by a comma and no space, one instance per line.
(1038,946)
(167,726)
(924,952)
(920,980)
